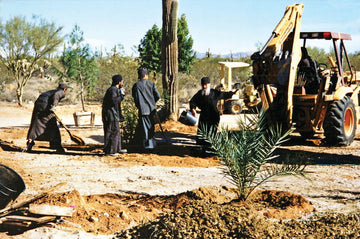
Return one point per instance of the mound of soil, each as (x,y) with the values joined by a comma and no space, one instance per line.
(201,219)
(207,209)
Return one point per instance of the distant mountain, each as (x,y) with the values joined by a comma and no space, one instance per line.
(236,55)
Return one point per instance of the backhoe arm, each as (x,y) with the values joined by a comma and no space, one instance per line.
(276,64)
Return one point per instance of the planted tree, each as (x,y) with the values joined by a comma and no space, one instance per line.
(245,154)
(79,65)
(24,47)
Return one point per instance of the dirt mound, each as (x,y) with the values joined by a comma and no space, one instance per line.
(176,126)
(110,213)
(201,219)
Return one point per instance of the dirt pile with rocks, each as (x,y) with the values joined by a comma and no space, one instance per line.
(204,212)
(208,220)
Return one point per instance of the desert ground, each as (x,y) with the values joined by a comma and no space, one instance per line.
(111,194)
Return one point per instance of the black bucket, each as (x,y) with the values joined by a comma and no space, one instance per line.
(11,185)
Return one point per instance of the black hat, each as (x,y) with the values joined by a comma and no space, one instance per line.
(116,79)
(62,86)
(205,80)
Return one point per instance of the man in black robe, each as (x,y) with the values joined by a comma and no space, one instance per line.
(206,99)
(43,126)
(308,71)
(145,96)
(111,116)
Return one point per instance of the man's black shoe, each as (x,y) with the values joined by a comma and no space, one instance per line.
(60,150)
(29,146)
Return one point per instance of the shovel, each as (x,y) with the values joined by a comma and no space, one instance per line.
(74,138)
(161,128)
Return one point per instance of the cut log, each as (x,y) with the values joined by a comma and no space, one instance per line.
(50,210)
(25,220)
(14,207)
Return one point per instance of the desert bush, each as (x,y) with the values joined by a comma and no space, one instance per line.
(114,63)
(128,126)
(245,153)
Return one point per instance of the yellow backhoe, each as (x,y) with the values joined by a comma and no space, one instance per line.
(298,92)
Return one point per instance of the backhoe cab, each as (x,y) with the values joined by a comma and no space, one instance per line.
(298,92)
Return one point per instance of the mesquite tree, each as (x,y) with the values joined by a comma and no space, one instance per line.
(169,53)
(24,47)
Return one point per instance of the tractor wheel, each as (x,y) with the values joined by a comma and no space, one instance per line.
(340,122)
(234,107)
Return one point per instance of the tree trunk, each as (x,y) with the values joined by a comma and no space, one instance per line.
(82,96)
(169,55)
(19,93)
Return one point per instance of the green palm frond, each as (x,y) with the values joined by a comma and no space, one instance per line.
(245,153)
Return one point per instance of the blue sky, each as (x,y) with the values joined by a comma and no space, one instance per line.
(221,26)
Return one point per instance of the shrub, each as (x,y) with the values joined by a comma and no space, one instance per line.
(128,126)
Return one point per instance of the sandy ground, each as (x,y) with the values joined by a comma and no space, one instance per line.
(334,172)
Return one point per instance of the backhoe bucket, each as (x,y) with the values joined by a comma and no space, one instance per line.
(11,185)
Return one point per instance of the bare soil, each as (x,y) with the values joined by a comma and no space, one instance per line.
(176,190)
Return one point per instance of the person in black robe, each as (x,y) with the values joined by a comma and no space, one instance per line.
(206,100)
(308,70)
(111,116)
(43,126)
(145,96)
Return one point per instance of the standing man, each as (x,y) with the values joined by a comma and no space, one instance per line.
(145,96)
(206,99)
(111,116)
(43,124)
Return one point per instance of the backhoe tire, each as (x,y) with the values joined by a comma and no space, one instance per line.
(234,107)
(340,122)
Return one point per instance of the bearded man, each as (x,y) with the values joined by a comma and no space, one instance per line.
(206,100)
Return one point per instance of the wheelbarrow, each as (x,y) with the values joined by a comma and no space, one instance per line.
(11,185)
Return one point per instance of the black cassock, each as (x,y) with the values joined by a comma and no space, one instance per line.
(111,116)
(145,96)
(209,115)
(43,124)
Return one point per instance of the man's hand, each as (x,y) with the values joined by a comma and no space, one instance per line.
(193,112)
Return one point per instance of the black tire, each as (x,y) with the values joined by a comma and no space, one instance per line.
(340,122)
(234,107)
